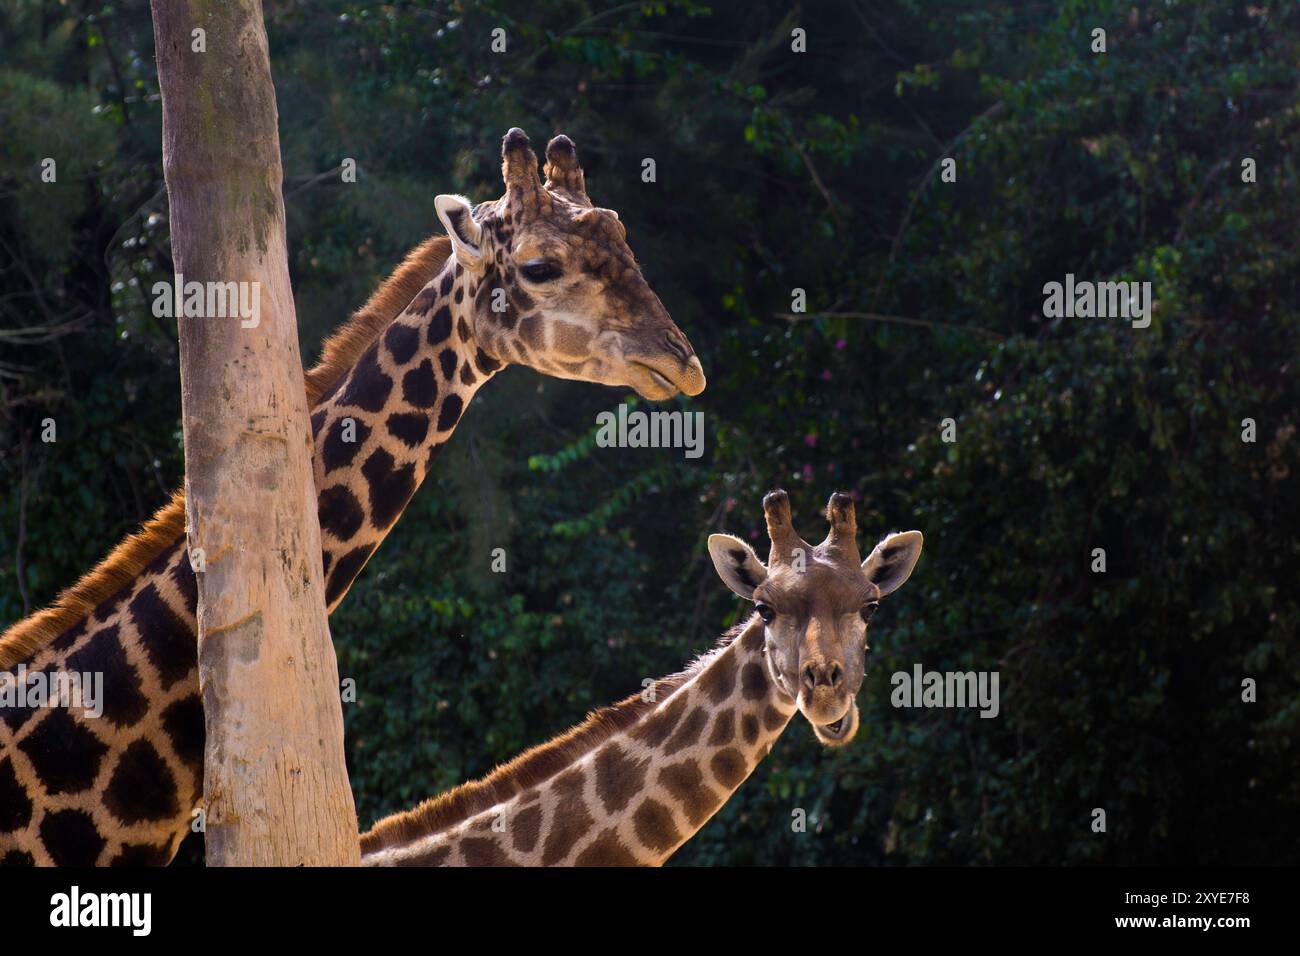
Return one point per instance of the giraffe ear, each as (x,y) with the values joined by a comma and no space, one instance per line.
(737,564)
(890,563)
(457,218)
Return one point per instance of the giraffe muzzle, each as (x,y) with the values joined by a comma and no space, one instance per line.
(657,380)
(839,732)
(827,705)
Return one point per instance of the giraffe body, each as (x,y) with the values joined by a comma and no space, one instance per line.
(122,788)
(624,797)
(637,780)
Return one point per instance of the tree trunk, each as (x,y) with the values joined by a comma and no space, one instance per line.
(275,783)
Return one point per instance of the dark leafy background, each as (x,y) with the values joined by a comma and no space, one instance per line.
(775,171)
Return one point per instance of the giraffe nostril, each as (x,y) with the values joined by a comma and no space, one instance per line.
(809,676)
(837,675)
(677,346)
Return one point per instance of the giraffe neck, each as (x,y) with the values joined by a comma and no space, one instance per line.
(379,429)
(122,787)
(627,788)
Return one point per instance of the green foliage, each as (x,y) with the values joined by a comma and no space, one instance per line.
(775,171)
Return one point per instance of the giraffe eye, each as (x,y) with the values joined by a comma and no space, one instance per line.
(540,270)
(765,612)
(869,609)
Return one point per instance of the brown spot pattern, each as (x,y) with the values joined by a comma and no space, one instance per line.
(571,820)
(685,783)
(719,680)
(435,857)
(654,826)
(618,777)
(483,851)
(773,718)
(688,733)
(753,682)
(728,767)
(606,850)
(659,725)
(526,827)
(724,729)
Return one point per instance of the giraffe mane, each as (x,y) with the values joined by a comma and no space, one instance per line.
(535,765)
(344,348)
(134,553)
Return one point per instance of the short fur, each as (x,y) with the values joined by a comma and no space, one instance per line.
(340,352)
(533,766)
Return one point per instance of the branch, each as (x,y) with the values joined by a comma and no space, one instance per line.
(895,319)
(19,570)
(313,181)
(817,180)
(37,334)
(989,113)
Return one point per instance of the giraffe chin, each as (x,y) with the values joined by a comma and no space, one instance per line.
(838,732)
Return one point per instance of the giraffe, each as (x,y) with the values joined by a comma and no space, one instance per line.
(637,780)
(539,277)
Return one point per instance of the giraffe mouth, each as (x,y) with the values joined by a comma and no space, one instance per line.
(840,731)
(661,381)
(658,383)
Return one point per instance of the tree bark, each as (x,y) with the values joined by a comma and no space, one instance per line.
(275,784)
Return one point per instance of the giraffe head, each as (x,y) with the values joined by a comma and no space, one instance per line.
(554,286)
(815,603)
